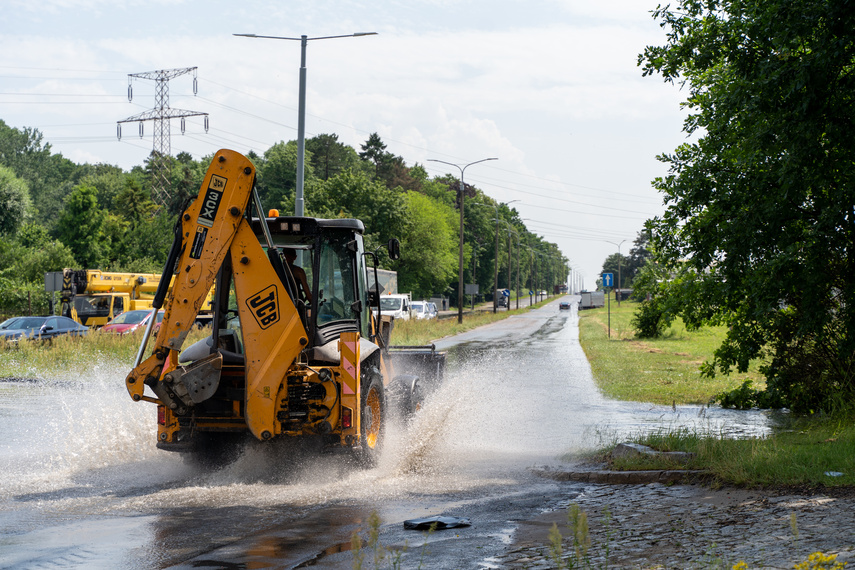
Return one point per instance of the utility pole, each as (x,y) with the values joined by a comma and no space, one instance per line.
(161,114)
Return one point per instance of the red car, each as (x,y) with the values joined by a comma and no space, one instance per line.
(129,321)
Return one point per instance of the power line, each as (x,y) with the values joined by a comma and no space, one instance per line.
(161,115)
(278,104)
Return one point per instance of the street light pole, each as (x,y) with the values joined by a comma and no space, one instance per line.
(518,271)
(618,267)
(509,269)
(496,272)
(460,261)
(301,111)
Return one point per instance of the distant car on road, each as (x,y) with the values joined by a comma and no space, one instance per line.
(44,328)
(129,321)
(564,305)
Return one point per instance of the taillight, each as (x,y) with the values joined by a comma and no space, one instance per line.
(161,415)
(346,417)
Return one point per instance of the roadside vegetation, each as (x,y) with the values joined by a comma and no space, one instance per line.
(66,355)
(56,214)
(805,450)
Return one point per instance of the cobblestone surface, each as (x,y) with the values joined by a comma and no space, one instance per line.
(691,526)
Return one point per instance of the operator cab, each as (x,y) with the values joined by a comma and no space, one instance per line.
(329,253)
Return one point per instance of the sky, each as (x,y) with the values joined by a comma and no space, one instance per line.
(551,88)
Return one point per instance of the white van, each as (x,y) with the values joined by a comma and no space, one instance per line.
(396,306)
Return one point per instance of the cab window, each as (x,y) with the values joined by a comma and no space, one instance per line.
(335,279)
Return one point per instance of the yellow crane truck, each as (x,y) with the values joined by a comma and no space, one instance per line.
(282,363)
(93,297)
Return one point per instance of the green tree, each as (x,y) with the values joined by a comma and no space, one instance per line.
(45,173)
(14,201)
(329,157)
(428,247)
(80,226)
(136,202)
(351,194)
(760,203)
(107,179)
(277,176)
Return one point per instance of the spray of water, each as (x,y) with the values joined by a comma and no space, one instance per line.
(69,432)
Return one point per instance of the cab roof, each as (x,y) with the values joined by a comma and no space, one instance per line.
(294,225)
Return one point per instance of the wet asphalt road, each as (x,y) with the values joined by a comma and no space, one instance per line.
(85,487)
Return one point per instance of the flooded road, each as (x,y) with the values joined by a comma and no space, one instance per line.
(83,485)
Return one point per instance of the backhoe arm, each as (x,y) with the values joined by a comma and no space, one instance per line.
(208,228)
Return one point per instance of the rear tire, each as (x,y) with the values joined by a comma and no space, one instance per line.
(373,414)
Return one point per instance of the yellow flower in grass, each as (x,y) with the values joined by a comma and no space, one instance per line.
(820,561)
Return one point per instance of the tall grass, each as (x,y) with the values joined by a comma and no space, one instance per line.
(809,452)
(68,355)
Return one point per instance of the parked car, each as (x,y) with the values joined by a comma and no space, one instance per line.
(398,306)
(129,321)
(423,309)
(45,328)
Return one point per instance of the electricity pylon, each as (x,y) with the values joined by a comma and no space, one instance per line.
(161,115)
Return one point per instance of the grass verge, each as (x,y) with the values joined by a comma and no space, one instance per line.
(661,371)
(804,452)
(420,332)
(808,453)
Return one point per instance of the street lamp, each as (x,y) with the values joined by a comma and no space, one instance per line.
(618,267)
(460,200)
(301,113)
(509,265)
(496,273)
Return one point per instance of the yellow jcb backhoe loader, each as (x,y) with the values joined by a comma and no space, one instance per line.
(281,362)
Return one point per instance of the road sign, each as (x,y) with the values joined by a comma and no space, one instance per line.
(506,293)
(53,281)
(608,279)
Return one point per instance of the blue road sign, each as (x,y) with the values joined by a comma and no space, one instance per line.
(608,279)
(506,293)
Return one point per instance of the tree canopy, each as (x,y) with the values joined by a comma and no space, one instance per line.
(759,224)
(56,214)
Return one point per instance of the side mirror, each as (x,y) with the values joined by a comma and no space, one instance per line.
(394,247)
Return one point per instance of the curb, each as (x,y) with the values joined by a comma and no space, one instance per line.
(622,477)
